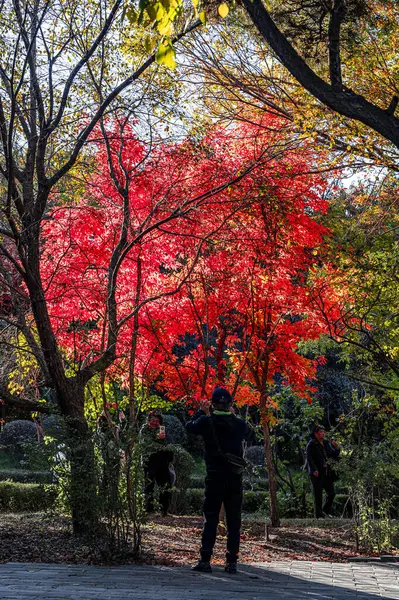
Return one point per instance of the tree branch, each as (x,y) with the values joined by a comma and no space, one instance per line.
(334,29)
(22,403)
(344,102)
(52,126)
(85,133)
(373,383)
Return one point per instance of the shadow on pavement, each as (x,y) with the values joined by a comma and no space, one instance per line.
(335,581)
(268,581)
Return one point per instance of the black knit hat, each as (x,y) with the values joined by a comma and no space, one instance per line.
(221,397)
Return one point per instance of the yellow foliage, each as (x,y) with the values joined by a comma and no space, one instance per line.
(223,10)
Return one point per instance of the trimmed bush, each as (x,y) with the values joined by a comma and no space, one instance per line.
(291,507)
(256,456)
(26,476)
(175,431)
(190,502)
(196,501)
(16,435)
(53,425)
(184,466)
(197,482)
(255,483)
(255,501)
(26,497)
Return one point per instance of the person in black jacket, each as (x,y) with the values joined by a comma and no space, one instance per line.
(320,454)
(223,433)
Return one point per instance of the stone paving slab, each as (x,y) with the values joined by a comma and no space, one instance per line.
(294,580)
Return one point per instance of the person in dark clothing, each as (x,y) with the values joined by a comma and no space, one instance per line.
(157,462)
(223,433)
(320,453)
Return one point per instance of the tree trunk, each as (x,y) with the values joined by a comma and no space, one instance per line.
(83,484)
(70,397)
(274,516)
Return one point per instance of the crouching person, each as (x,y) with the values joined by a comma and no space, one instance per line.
(223,435)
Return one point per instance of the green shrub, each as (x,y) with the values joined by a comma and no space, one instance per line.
(256,455)
(8,462)
(255,501)
(26,476)
(184,466)
(293,507)
(255,483)
(53,425)
(17,437)
(26,497)
(196,501)
(175,431)
(190,501)
(197,482)
(343,506)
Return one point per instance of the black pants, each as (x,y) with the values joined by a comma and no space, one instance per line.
(320,483)
(159,474)
(227,489)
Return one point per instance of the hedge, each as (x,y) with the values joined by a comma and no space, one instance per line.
(21,476)
(255,501)
(16,435)
(197,482)
(191,501)
(252,484)
(26,497)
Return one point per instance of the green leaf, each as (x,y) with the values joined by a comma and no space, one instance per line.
(166,55)
(132,15)
(149,43)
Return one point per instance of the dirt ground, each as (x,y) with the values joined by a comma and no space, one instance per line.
(174,540)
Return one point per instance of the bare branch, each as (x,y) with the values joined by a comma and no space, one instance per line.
(22,403)
(85,133)
(51,126)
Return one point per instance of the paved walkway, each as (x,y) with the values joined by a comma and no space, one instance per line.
(268,581)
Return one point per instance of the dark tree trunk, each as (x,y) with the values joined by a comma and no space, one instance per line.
(274,516)
(84,483)
(70,396)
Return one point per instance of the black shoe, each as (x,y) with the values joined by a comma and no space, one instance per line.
(202,566)
(320,516)
(231,567)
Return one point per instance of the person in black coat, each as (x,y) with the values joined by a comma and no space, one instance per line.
(223,433)
(320,454)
